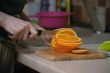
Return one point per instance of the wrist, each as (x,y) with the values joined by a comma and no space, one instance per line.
(2,18)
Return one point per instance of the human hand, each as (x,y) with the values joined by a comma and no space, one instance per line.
(19,29)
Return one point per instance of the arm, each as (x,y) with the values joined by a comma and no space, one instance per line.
(1,17)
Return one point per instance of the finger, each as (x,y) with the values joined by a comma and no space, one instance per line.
(33,32)
(26,34)
(18,32)
(20,36)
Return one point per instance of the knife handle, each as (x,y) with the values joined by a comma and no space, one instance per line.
(39,32)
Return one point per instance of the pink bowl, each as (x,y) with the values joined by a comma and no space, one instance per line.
(53,19)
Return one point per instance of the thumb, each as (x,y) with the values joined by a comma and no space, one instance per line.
(33,32)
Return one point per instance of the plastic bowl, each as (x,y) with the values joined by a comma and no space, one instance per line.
(53,19)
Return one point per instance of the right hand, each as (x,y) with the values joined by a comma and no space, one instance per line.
(19,29)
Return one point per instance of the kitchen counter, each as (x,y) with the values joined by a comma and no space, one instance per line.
(73,66)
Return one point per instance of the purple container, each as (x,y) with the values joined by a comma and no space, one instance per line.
(53,19)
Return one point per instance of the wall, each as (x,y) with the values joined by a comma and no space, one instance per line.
(102,8)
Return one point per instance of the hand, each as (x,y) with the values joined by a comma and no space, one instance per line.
(19,29)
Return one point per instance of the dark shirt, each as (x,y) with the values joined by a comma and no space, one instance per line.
(12,7)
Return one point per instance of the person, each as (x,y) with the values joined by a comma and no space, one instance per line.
(12,28)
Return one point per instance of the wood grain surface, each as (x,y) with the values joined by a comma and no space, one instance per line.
(50,54)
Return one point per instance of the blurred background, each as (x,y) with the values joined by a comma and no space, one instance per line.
(80,15)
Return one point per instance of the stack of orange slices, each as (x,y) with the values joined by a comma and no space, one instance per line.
(65,40)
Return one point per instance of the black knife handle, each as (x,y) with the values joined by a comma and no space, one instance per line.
(39,32)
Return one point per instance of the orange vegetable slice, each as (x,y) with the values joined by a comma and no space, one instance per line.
(82,51)
(64,46)
(68,31)
(67,38)
(53,43)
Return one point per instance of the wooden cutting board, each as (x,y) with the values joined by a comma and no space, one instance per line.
(49,54)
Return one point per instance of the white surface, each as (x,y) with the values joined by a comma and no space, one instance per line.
(108,53)
(73,66)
